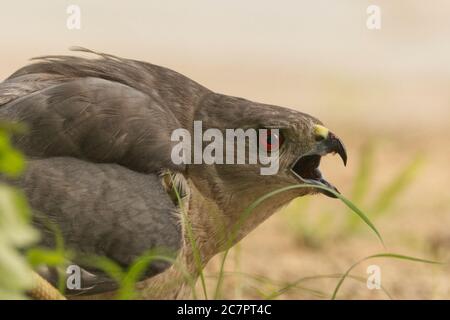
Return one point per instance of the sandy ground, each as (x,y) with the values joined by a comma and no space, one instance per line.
(416,225)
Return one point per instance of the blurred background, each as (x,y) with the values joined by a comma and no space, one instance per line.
(384,92)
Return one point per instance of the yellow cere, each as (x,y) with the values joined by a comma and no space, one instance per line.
(321,131)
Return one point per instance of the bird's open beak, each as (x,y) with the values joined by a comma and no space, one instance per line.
(306,167)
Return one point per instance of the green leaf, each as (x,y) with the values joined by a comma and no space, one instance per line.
(16,232)
(14,227)
(12,162)
(42,256)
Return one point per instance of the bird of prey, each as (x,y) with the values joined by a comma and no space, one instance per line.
(99,147)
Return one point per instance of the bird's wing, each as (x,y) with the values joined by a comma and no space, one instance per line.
(102,210)
(96,148)
(96,120)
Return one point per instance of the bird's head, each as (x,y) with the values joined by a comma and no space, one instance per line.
(299,144)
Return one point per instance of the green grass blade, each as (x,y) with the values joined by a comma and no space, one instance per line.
(294,284)
(393,190)
(266,280)
(364,173)
(362,181)
(347,202)
(111,268)
(57,257)
(379,255)
(190,235)
(237,266)
(136,270)
(257,202)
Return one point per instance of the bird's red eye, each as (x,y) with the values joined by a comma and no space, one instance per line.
(271,140)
